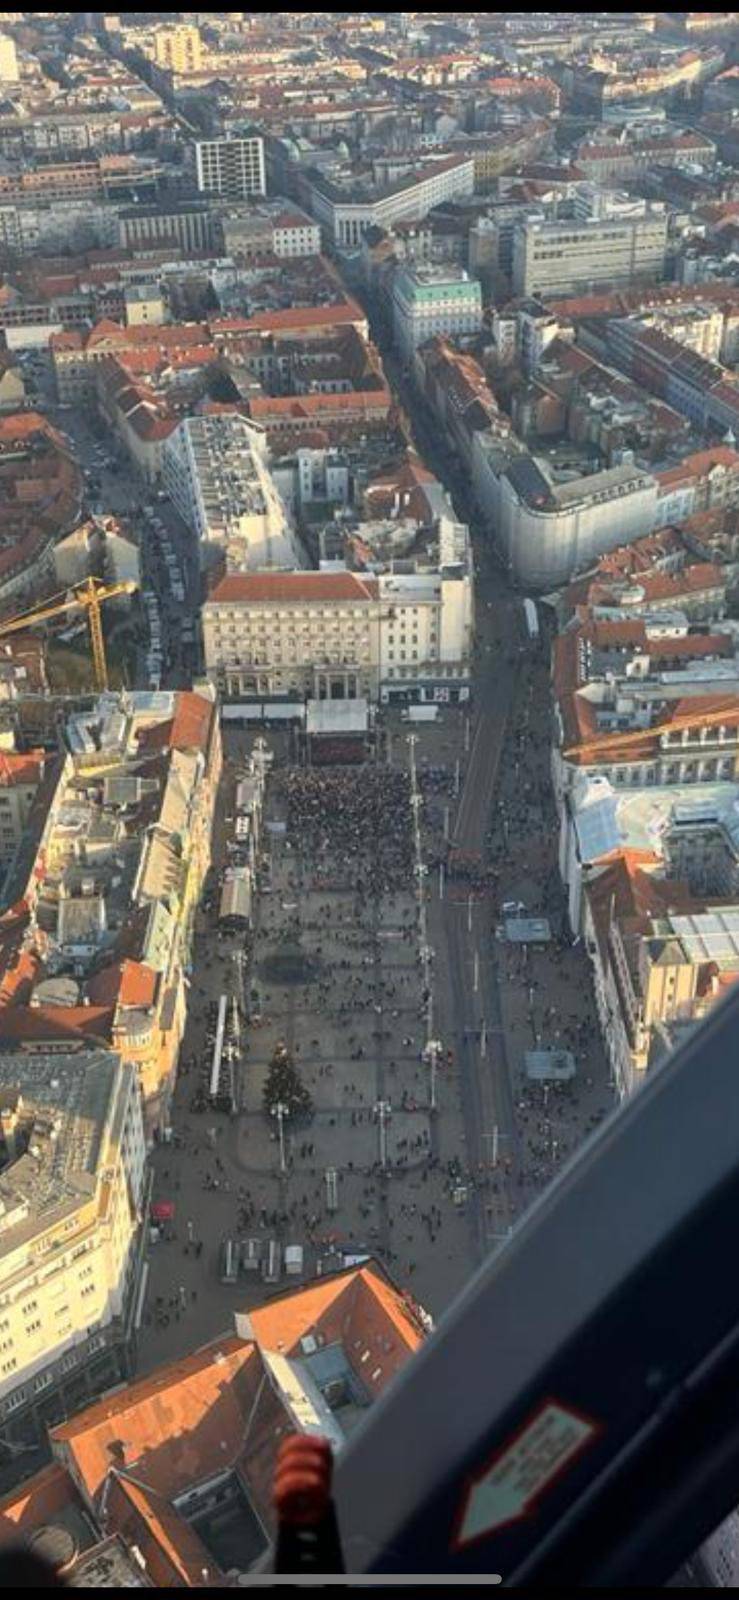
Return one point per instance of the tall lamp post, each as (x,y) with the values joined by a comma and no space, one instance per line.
(431,1055)
(383,1109)
(280,1111)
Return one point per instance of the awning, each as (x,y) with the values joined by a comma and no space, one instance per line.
(236,897)
(162,1211)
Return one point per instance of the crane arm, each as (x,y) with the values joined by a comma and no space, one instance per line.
(85,595)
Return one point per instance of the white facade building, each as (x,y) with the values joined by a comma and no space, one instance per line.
(8,59)
(345,635)
(346,220)
(548,532)
(231,167)
(277,227)
(71,1189)
(552,258)
(434,300)
(215,469)
(312,474)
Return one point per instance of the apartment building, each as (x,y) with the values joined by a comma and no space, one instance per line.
(106,879)
(702,390)
(625,687)
(705,480)
(427,301)
(232,167)
(97,178)
(297,635)
(155,1505)
(343,635)
(612,160)
(546,532)
(40,501)
(279,228)
(20,776)
(72,1185)
(659,960)
(552,258)
(8,59)
(178,48)
(346,213)
(699,328)
(216,471)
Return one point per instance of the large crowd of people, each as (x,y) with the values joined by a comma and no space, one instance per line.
(360,817)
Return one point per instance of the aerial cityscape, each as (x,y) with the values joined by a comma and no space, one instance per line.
(369,706)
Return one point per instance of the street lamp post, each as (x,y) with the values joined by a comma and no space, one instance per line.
(280,1111)
(431,1055)
(383,1109)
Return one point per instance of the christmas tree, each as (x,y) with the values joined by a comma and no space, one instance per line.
(284,1085)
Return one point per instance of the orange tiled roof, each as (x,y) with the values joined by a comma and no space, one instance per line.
(253,587)
(34,1503)
(172,1422)
(305,405)
(174,1555)
(19,1023)
(193,719)
(305,317)
(343,1300)
(126,983)
(19,769)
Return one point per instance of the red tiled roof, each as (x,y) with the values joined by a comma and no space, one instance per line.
(175,1556)
(696,706)
(256,587)
(699,464)
(172,1422)
(329,316)
(193,719)
(20,769)
(125,983)
(262,407)
(361,1303)
(22,1022)
(36,1502)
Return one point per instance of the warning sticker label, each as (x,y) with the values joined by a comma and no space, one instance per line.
(505,1490)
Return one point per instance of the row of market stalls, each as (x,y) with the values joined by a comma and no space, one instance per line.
(235,913)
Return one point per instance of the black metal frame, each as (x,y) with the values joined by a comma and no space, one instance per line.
(618,1297)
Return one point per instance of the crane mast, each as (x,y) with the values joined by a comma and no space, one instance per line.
(89,597)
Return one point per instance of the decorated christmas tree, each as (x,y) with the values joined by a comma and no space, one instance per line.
(284,1085)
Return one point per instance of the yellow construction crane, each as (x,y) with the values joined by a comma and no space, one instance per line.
(89,597)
